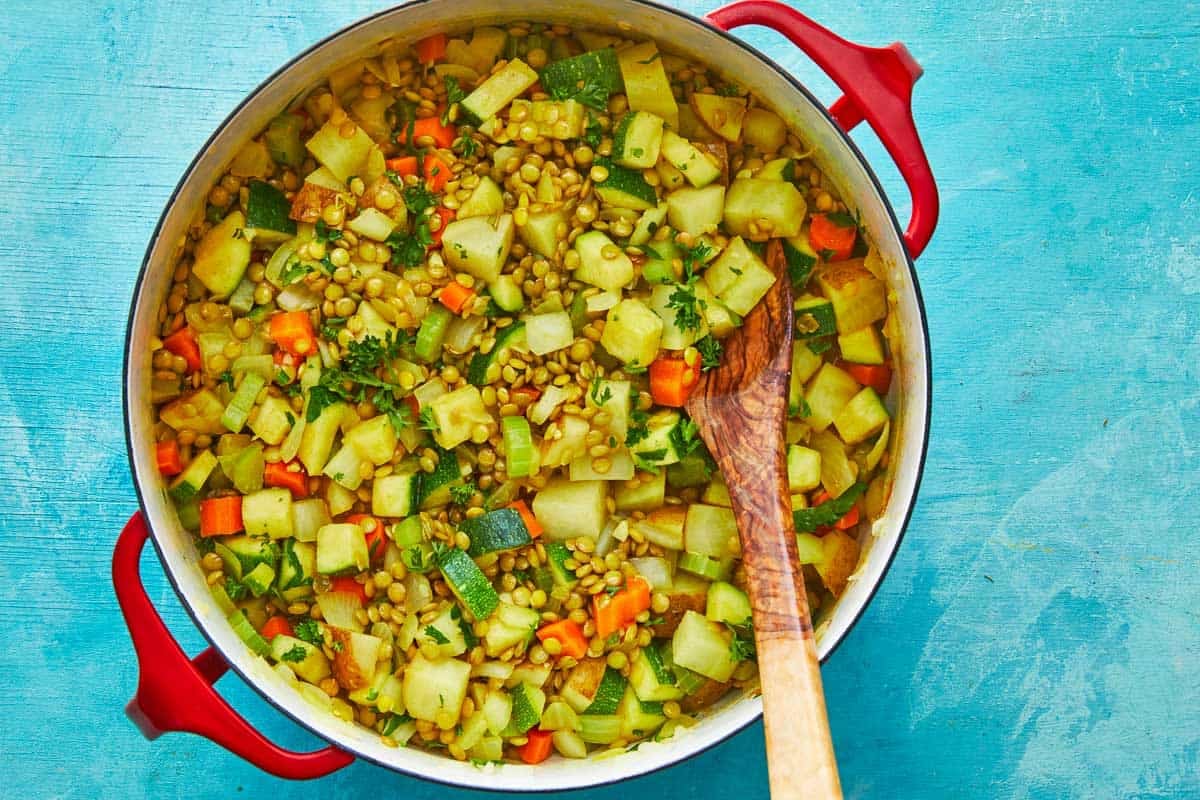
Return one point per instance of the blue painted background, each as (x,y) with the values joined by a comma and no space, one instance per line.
(1038,636)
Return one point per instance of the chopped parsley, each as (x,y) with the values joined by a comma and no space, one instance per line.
(829,512)
(408,248)
(331,326)
(454,94)
(235,589)
(436,635)
(637,430)
(685,437)
(350,380)
(687,308)
(589,92)
(325,234)
(226,378)
(741,646)
(842,219)
(467,146)
(730,90)
(298,653)
(710,353)
(461,495)
(694,257)
(600,397)
(309,631)
(293,270)
(282,378)
(592,133)
(427,422)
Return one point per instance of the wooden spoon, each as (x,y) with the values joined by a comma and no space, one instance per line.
(741,410)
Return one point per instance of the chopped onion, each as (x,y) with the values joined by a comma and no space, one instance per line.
(492,669)
(338,609)
(297,297)
(461,331)
(419,592)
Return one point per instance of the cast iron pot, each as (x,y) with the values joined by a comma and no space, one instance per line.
(176,693)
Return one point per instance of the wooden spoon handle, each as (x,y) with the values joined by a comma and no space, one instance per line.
(800,755)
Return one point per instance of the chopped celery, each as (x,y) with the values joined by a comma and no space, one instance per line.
(238,410)
(518,445)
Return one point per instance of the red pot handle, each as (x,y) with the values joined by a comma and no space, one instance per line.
(176,693)
(877,82)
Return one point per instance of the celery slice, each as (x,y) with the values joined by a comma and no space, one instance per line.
(246,632)
(518,445)
(431,333)
(238,410)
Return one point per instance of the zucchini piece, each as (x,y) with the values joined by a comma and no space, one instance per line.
(259,579)
(502,529)
(557,554)
(600,728)
(373,224)
(253,160)
(727,603)
(858,297)
(268,512)
(240,405)
(468,583)
(267,213)
(602,263)
(434,487)
(717,494)
(445,632)
(395,495)
(317,439)
(774,208)
(647,225)
(777,169)
(485,367)
(192,480)
(815,318)
(608,693)
(283,140)
(341,548)
(703,646)
(541,232)
(222,256)
(696,211)
(456,414)
(638,140)
(650,677)
(863,346)
(660,446)
(432,333)
(302,658)
(511,625)
(693,470)
(518,446)
(739,278)
(804,468)
(598,68)
(646,85)
(861,418)
(722,115)
(549,332)
(507,294)
(800,258)
(827,395)
(838,472)
(528,702)
(345,468)
(712,569)
(500,89)
(710,531)
(297,565)
(624,187)
(478,246)
(569,509)
(689,160)
(632,333)
(639,718)
(435,690)
(343,156)
(242,554)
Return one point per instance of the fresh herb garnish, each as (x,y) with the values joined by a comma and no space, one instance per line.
(589,92)
(350,380)
(800,409)
(637,430)
(296,654)
(309,631)
(687,308)
(461,495)
(600,397)
(226,378)
(841,219)
(692,258)
(436,635)
(282,378)
(325,234)
(741,646)
(685,437)
(710,353)
(427,422)
(293,270)
(331,325)
(730,90)
(454,94)
(648,459)
(592,132)
(235,589)
(820,345)
(829,512)
(611,590)
(467,146)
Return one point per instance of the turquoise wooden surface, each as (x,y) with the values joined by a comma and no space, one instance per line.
(1037,636)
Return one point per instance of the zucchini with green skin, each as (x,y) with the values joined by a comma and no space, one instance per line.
(495,531)
(557,554)
(341,549)
(638,140)
(703,646)
(608,694)
(297,566)
(650,677)
(528,702)
(597,69)
(484,368)
(511,626)
(241,554)
(467,581)
(434,487)
(500,89)
(267,213)
(814,317)
(268,512)
(220,258)
(727,603)
(304,659)
(192,480)
(624,187)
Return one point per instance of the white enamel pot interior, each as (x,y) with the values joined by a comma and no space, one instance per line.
(675,31)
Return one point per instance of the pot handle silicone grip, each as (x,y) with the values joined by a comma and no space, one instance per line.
(176,693)
(877,82)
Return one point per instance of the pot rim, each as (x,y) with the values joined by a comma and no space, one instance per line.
(684,753)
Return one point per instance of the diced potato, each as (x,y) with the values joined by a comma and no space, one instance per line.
(632,332)
(839,560)
(774,208)
(764,130)
(723,115)
(252,161)
(569,509)
(344,156)
(858,297)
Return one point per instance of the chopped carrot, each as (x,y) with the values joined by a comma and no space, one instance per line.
(275,626)
(529,392)
(672,380)
(622,608)
(849,520)
(402,165)
(442,135)
(221,515)
(568,634)
(531,524)
(413,405)
(436,171)
(877,376)
(537,746)
(829,235)
(431,48)
(167,455)
(183,343)
(293,331)
(446,216)
(376,533)
(289,475)
(347,585)
(455,296)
